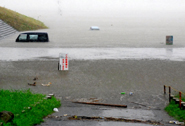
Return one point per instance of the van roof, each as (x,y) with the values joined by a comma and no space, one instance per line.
(34,33)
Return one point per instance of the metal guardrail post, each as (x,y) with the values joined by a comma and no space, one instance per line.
(164,89)
(169,94)
(180,100)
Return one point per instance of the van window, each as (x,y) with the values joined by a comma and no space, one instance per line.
(42,38)
(23,37)
(33,37)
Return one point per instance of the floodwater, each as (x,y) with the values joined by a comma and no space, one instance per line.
(128,30)
(123,23)
(15,54)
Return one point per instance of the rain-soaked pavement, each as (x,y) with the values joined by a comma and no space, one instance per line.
(127,54)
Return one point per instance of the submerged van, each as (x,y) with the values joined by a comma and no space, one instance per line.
(33,37)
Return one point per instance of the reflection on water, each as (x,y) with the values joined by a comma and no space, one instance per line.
(14,54)
(169,51)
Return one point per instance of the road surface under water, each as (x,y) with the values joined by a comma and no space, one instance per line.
(15,54)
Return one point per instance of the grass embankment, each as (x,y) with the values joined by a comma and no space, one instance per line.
(20,22)
(173,110)
(18,102)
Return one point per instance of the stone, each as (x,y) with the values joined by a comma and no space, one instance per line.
(6,116)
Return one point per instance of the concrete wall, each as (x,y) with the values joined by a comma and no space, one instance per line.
(6,29)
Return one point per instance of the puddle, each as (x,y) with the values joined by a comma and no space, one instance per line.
(15,54)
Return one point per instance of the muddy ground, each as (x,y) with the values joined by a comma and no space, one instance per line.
(103,80)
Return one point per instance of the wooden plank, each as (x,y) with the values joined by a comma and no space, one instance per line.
(103,104)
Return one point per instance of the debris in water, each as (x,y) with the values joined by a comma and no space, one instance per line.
(103,104)
(55,109)
(131,93)
(49,83)
(34,84)
(35,78)
(122,92)
(94,99)
(176,122)
(94,28)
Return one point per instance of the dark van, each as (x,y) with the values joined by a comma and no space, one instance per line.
(33,37)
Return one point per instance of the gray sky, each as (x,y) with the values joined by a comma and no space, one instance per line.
(100,5)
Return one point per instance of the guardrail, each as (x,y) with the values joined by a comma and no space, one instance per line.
(172,97)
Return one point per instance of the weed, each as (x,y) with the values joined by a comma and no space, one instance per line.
(173,110)
(28,108)
(20,22)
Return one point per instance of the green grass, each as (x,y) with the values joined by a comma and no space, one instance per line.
(173,110)
(17,101)
(20,22)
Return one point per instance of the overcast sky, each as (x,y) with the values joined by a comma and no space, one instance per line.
(100,5)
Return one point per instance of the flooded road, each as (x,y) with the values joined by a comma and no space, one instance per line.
(130,31)
(16,54)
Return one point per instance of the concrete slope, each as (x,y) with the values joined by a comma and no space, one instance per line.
(6,29)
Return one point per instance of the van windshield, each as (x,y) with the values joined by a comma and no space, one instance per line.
(22,37)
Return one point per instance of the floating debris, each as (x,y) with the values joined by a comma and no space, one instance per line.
(55,109)
(103,104)
(49,83)
(122,92)
(176,122)
(34,84)
(35,78)
(131,93)
(94,28)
